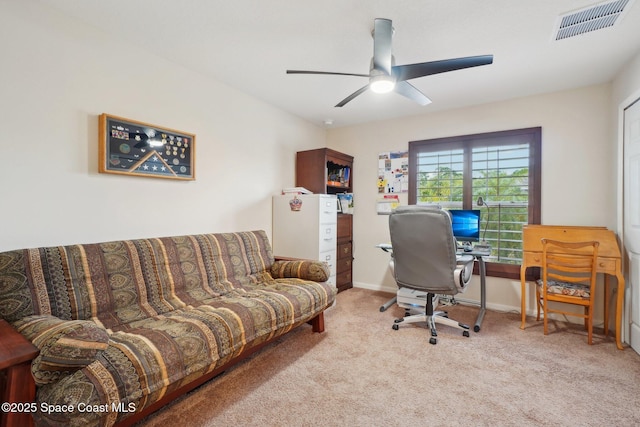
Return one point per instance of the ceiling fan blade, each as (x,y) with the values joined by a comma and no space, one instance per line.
(382,34)
(407,90)
(325,72)
(353,95)
(412,71)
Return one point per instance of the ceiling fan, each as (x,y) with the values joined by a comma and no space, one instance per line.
(385,76)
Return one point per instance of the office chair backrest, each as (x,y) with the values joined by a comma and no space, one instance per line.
(423,249)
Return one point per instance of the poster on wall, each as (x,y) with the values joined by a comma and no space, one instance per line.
(393,172)
(130,147)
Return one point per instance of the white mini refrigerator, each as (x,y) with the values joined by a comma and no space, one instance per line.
(305,226)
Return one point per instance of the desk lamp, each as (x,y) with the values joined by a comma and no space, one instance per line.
(481,202)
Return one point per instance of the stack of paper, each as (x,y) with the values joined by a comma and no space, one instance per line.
(296,190)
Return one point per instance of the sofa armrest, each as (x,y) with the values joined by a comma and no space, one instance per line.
(17,385)
(285,268)
(65,345)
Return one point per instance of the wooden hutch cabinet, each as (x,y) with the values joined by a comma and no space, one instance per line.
(325,171)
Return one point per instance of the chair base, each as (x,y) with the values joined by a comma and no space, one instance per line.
(432,317)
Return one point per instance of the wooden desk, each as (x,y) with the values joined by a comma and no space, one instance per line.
(609,262)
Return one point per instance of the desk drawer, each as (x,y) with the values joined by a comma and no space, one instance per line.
(532,259)
(343,264)
(344,250)
(345,226)
(343,279)
(606,265)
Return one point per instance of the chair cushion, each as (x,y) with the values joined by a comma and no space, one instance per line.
(565,288)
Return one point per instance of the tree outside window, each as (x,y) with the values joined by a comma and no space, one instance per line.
(501,167)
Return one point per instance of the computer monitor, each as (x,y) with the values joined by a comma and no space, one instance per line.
(466,224)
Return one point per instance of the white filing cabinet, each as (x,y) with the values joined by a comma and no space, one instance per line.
(310,232)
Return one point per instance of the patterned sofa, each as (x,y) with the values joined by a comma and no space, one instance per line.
(124,327)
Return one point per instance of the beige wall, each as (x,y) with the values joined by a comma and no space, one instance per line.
(625,91)
(578,163)
(57,76)
(626,85)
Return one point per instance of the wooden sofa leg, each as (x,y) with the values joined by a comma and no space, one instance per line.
(19,388)
(317,323)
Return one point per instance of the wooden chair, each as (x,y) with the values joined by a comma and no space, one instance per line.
(568,276)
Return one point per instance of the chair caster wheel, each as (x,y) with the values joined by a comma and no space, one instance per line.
(433,341)
(394,327)
(465,334)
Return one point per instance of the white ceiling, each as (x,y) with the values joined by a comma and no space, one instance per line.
(248,44)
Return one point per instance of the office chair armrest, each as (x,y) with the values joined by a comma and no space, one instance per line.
(463,272)
(464,259)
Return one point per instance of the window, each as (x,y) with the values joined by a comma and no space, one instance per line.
(501,167)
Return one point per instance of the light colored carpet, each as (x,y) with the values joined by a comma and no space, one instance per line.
(360,372)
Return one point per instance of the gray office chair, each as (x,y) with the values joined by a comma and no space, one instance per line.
(424,252)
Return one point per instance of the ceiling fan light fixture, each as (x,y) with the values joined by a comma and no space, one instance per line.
(384,76)
(382,83)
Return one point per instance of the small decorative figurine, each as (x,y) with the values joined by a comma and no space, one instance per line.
(295,204)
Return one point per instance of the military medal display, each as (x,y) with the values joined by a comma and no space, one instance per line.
(130,147)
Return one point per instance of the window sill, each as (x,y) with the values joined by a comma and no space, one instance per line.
(508,271)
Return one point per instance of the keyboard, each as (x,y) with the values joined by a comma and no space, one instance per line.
(480,249)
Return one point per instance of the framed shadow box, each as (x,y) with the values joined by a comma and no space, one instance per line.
(129,147)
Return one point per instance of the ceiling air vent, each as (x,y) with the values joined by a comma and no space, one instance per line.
(596,17)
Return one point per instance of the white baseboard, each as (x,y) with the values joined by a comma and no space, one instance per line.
(381,288)
(490,306)
(635,337)
(467,301)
